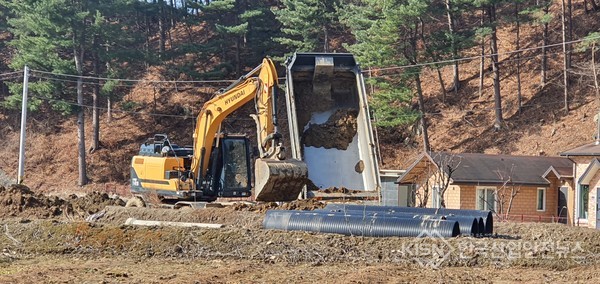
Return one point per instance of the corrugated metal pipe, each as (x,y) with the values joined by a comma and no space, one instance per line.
(368,226)
(487,216)
(469,225)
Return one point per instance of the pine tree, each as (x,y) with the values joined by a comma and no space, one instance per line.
(592,43)
(40,42)
(387,34)
(64,36)
(307,25)
(490,8)
(539,15)
(241,38)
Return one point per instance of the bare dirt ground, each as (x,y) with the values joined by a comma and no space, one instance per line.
(40,245)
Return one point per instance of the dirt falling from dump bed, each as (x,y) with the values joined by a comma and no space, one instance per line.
(20,201)
(337,132)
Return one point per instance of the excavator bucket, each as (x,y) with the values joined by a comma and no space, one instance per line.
(279,180)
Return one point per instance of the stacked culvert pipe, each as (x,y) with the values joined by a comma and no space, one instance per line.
(485,217)
(469,226)
(370,225)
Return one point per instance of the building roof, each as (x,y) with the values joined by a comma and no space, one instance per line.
(559,172)
(475,168)
(591,149)
(590,172)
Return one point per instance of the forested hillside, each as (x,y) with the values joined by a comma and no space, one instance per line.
(512,77)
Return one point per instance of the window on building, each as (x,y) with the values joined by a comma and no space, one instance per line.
(486,199)
(541,199)
(583,201)
(436,201)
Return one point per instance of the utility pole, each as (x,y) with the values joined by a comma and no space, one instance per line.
(23,125)
(565,59)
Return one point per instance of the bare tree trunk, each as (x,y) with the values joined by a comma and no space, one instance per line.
(147,43)
(456,79)
(565,58)
(426,146)
(326,35)
(513,193)
(172,13)
(595,72)
(482,61)
(154,105)
(569,31)
(238,64)
(518,47)
(161,29)
(544,52)
(424,199)
(441,80)
(494,50)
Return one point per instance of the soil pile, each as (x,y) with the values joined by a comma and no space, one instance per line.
(93,202)
(337,132)
(228,216)
(19,201)
(342,189)
(305,204)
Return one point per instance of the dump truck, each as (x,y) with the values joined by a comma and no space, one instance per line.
(217,164)
(329,122)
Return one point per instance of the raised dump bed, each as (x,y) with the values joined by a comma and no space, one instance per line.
(328,119)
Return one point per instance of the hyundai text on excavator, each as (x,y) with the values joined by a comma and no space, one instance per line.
(219,165)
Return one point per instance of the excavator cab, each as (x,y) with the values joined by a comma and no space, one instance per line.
(229,173)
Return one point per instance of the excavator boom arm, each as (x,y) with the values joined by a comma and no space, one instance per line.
(261,88)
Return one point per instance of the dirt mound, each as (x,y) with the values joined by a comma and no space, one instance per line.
(342,189)
(93,202)
(337,132)
(305,204)
(19,201)
(228,216)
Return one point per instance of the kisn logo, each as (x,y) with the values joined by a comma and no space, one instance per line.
(429,249)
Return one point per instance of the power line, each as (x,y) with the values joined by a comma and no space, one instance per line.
(128,112)
(130,80)
(478,56)
(500,62)
(123,85)
(217,82)
(12,73)
(427,114)
(114,110)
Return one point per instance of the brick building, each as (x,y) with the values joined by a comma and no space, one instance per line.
(583,196)
(525,187)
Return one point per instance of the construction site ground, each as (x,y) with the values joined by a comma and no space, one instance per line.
(50,239)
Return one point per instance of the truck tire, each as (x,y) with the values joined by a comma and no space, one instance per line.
(135,202)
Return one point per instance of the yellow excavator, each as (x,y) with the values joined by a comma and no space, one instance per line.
(219,165)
